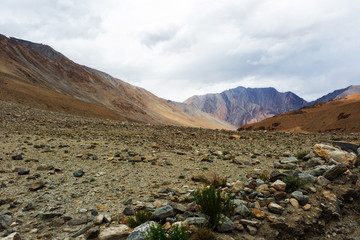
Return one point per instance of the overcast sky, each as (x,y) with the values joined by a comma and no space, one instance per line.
(177,49)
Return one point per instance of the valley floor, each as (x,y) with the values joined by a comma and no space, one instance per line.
(122,161)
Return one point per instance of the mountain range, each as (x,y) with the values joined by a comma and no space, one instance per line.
(241,105)
(38,76)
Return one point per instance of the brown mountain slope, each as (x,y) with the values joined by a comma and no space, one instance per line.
(340,115)
(38,76)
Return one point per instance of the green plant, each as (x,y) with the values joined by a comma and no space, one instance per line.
(203,233)
(141,216)
(205,168)
(178,233)
(155,232)
(265,177)
(302,154)
(181,176)
(214,204)
(292,183)
(158,232)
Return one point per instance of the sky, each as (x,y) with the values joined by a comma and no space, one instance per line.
(176,49)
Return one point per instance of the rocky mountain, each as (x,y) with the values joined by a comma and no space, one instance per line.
(338,115)
(340,93)
(242,105)
(38,76)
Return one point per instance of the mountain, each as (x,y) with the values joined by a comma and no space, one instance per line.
(340,93)
(38,76)
(241,105)
(338,115)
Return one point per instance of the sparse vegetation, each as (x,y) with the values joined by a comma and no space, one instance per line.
(213,203)
(158,232)
(302,154)
(218,181)
(140,217)
(293,183)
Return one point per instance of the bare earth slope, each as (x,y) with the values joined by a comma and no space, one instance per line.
(340,115)
(241,105)
(36,75)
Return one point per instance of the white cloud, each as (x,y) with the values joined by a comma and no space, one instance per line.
(179,48)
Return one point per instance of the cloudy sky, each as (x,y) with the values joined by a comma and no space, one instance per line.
(177,49)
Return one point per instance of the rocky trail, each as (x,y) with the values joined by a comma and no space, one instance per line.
(67,177)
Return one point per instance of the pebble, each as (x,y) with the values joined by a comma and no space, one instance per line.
(79,173)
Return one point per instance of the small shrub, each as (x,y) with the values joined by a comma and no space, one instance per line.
(218,181)
(205,168)
(213,204)
(203,233)
(158,232)
(181,176)
(293,183)
(302,154)
(140,217)
(178,233)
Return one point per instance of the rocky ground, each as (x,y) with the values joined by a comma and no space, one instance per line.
(64,177)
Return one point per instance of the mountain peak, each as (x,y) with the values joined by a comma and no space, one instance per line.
(40,48)
(242,105)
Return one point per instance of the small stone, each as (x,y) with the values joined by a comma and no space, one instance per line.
(275,208)
(22,171)
(302,199)
(226,226)
(92,233)
(107,218)
(238,186)
(294,203)
(280,196)
(242,210)
(113,233)
(99,219)
(321,180)
(196,221)
(258,213)
(12,236)
(252,230)
(307,207)
(128,211)
(17,157)
(81,231)
(5,221)
(279,185)
(289,160)
(79,173)
(249,222)
(239,227)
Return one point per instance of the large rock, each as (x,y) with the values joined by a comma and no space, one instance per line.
(162,213)
(120,232)
(226,226)
(139,231)
(329,152)
(275,208)
(279,185)
(13,236)
(242,210)
(5,221)
(335,171)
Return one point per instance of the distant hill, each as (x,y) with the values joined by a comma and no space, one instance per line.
(340,93)
(38,76)
(242,105)
(338,115)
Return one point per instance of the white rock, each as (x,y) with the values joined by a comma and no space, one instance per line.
(327,153)
(115,233)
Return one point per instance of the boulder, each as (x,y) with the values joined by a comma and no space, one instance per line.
(327,152)
(120,232)
(226,226)
(335,171)
(162,213)
(275,208)
(139,231)
(279,185)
